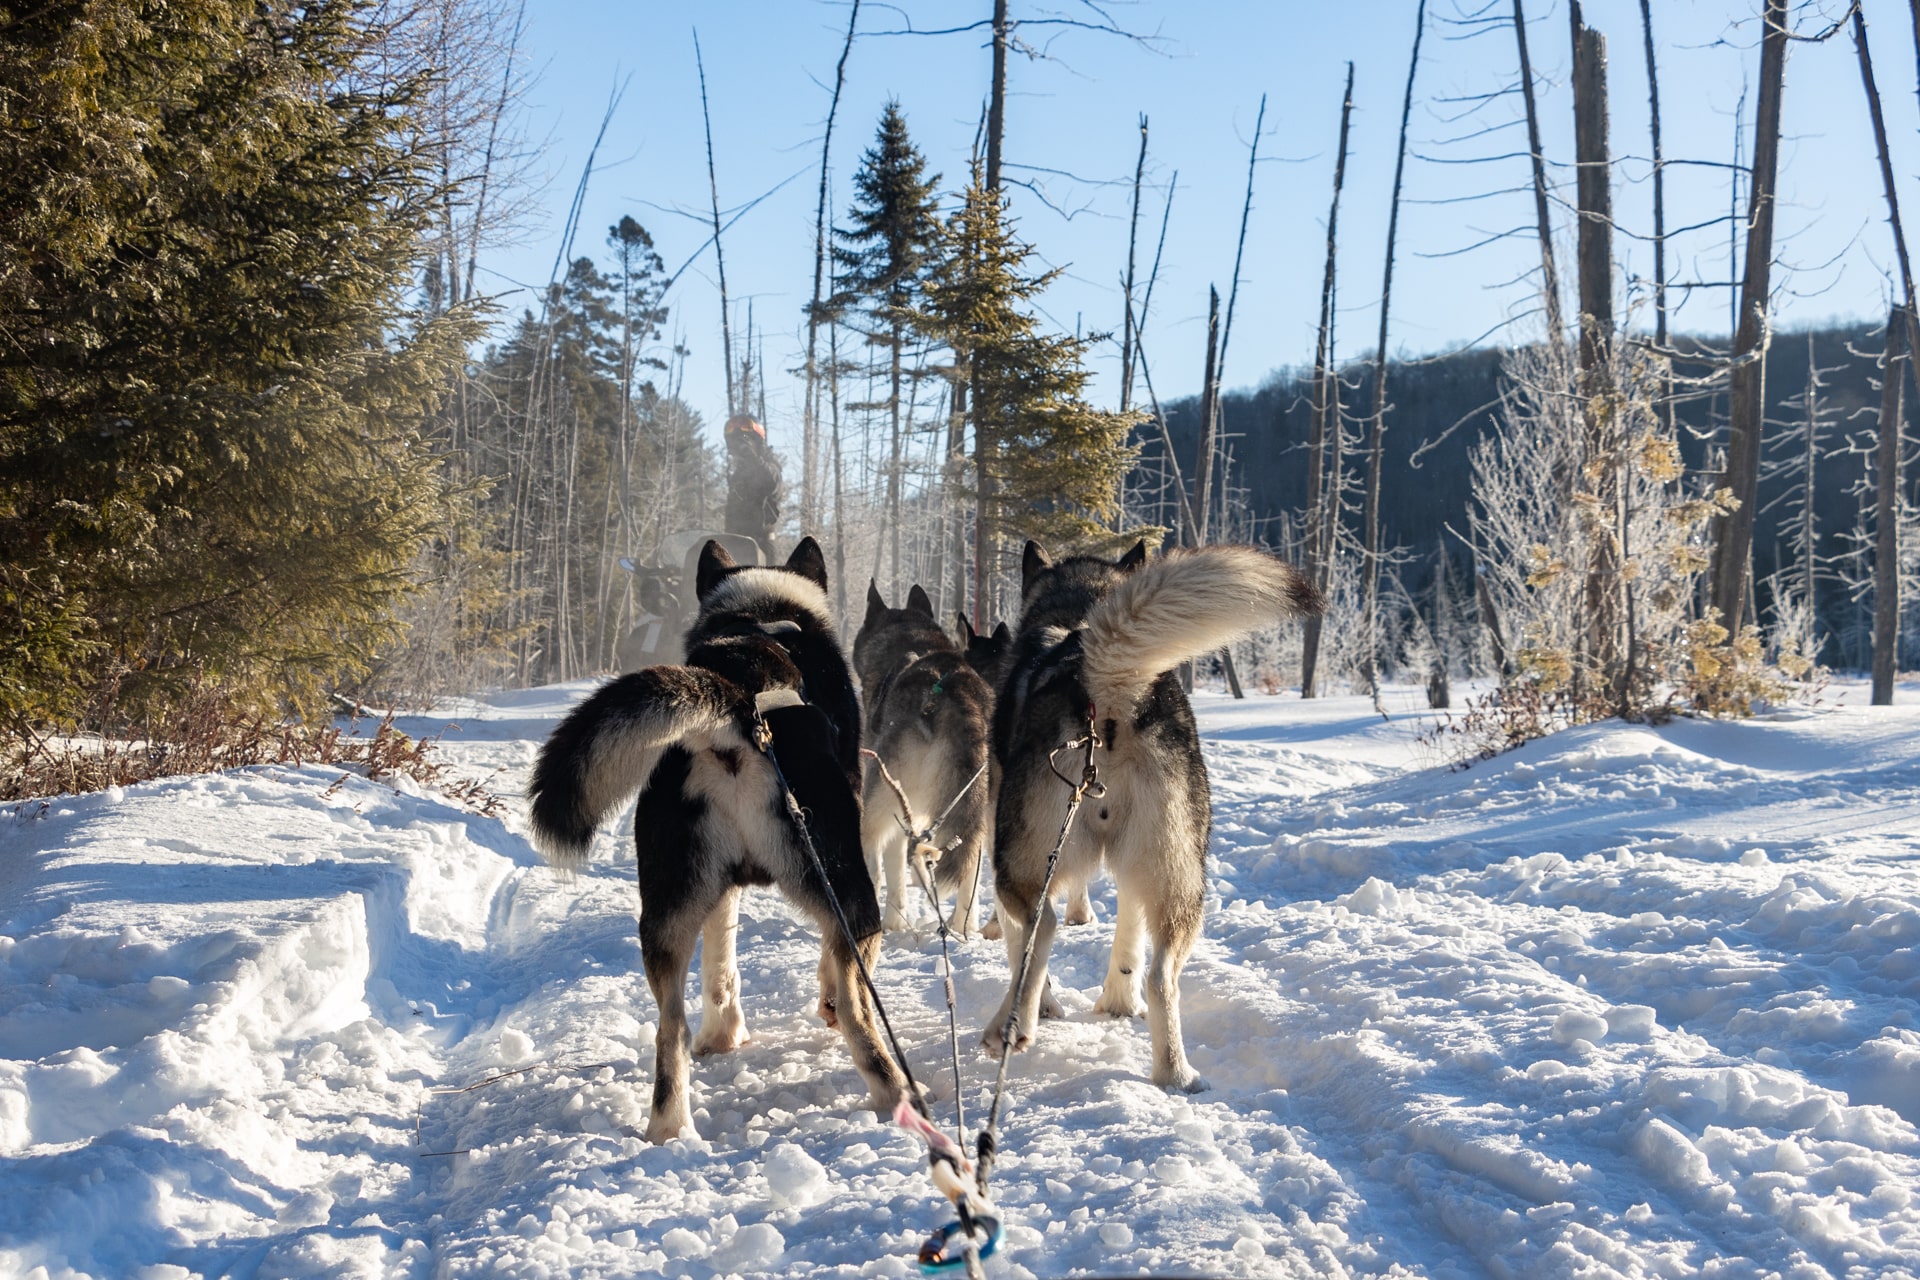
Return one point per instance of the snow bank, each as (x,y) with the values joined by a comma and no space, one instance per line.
(1628,1001)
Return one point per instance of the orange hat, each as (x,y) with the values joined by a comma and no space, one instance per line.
(742,422)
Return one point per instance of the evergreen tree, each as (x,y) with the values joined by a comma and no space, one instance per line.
(212,395)
(884,257)
(1047,464)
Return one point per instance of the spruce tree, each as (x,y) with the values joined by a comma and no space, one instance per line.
(212,394)
(883,257)
(1047,464)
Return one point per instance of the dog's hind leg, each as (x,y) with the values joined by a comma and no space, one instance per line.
(1037,989)
(1160,868)
(885,843)
(896,917)
(1120,997)
(959,874)
(1171,1069)
(886,1083)
(1079,905)
(723,1025)
(666,952)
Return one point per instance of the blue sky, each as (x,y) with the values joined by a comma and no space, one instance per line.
(1072,132)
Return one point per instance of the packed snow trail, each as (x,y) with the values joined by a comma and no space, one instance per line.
(1629,1001)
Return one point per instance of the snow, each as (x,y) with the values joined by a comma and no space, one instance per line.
(1628,1001)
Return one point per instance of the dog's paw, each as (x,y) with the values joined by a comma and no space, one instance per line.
(668,1126)
(1181,1079)
(1120,1002)
(991,929)
(720,1033)
(1050,1003)
(960,924)
(896,920)
(1079,910)
(994,1040)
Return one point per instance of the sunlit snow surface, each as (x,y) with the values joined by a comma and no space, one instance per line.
(1630,1001)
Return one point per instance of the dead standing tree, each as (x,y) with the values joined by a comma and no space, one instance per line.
(1886,505)
(719,256)
(810,427)
(1133,235)
(1659,212)
(1549,274)
(1371,602)
(1326,405)
(1733,532)
(1600,502)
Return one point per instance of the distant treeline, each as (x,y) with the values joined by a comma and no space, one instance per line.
(1267,438)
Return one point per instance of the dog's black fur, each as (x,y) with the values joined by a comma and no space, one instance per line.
(986,654)
(712,818)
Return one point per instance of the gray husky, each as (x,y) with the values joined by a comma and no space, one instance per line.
(763,668)
(1096,649)
(928,715)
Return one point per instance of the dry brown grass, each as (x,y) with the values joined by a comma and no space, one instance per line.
(205,732)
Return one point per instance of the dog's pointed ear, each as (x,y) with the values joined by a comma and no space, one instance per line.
(1033,561)
(809,562)
(714,562)
(1002,635)
(919,601)
(967,635)
(876,603)
(1135,557)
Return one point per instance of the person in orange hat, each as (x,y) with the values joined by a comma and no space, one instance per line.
(753,481)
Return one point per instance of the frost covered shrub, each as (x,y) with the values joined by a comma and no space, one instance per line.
(1591,544)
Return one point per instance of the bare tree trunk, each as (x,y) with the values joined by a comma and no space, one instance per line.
(956,468)
(1209,408)
(1659,212)
(1126,322)
(1317,553)
(1240,245)
(1594,187)
(1900,346)
(1808,531)
(719,257)
(839,483)
(1745,422)
(1886,511)
(894,459)
(810,430)
(997,97)
(1490,619)
(1370,643)
(1549,275)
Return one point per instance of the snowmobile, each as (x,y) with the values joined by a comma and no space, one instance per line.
(665,598)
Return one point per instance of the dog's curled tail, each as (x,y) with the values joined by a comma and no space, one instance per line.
(1179,606)
(605,750)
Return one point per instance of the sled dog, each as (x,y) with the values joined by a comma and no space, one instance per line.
(928,715)
(986,654)
(1096,647)
(762,659)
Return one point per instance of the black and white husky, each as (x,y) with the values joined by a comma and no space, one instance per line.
(928,715)
(712,818)
(1097,644)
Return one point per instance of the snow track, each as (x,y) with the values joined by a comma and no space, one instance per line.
(1631,1001)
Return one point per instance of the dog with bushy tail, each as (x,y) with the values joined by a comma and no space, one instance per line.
(1096,650)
